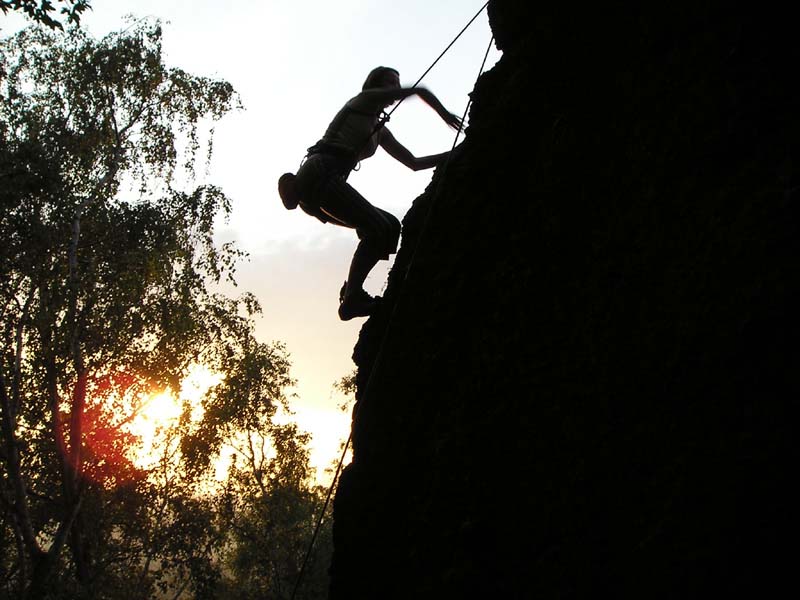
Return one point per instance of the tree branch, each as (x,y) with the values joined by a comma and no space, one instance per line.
(13,465)
(252,460)
(76,428)
(179,593)
(16,383)
(131,122)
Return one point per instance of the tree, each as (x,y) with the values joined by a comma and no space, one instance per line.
(40,11)
(268,505)
(104,296)
(175,547)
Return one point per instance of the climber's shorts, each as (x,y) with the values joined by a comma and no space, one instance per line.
(325,194)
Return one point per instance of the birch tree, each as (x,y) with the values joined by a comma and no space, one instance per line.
(104,271)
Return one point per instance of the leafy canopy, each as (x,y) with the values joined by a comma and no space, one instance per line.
(42,11)
(107,266)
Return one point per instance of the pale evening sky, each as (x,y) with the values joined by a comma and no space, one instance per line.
(294,63)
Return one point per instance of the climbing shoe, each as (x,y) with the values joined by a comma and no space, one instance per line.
(357,304)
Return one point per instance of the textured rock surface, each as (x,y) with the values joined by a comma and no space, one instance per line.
(583,381)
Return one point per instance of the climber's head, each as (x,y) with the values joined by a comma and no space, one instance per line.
(382,77)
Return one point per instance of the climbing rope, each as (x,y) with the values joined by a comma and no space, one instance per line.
(438,58)
(466,111)
(386,116)
(379,356)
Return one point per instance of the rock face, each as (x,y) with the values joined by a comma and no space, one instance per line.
(582,377)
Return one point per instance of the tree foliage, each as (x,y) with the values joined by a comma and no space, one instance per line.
(267,507)
(105,298)
(41,11)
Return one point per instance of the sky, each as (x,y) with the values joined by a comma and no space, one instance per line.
(294,63)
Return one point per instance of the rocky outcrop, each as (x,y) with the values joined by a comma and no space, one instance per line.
(582,378)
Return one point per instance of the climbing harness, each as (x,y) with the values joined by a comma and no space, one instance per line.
(379,356)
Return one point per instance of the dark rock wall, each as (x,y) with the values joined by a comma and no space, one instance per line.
(584,375)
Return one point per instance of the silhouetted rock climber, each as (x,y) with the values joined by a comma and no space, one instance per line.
(320,187)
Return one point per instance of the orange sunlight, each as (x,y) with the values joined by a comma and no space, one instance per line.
(161,411)
(155,423)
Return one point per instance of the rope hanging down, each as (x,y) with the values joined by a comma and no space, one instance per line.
(391,317)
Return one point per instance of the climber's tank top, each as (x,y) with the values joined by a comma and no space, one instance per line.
(353,130)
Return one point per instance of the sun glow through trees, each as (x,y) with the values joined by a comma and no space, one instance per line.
(157,420)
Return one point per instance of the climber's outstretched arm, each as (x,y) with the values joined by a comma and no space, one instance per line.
(378,98)
(399,152)
(428,98)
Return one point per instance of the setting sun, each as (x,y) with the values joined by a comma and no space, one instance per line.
(161,411)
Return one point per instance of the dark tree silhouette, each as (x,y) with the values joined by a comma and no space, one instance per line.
(43,11)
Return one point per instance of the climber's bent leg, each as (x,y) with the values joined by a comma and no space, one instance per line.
(378,232)
(364,259)
(353,300)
